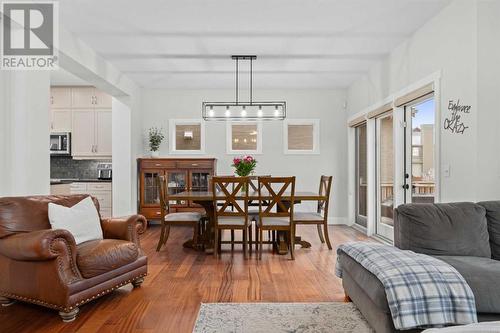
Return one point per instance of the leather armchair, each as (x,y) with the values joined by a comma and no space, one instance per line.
(45,266)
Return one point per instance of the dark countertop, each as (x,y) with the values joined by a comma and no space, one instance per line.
(74,180)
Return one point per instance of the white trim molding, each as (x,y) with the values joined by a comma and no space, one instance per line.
(172,131)
(229,138)
(316,136)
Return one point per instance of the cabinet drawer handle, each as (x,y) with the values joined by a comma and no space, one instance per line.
(194,164)
(158,164)
(158,213)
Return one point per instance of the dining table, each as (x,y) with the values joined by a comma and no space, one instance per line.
(206,200)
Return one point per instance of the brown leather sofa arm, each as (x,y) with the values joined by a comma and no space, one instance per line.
(37,245)
(125,228)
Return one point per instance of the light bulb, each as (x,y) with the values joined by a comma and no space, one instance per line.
(245,140)
(276,111)
(244,112)
(211,112)
(228,112)
(259,112)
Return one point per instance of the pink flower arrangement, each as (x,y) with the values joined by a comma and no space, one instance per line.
(244,165)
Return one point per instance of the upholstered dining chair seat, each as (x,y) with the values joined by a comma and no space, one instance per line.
(183,217)
(307,216)
(266,221)
(231,220)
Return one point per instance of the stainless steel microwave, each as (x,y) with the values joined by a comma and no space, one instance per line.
(60,143)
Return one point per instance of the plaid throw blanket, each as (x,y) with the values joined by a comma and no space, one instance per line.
(422,291)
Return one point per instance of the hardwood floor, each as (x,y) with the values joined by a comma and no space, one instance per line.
(180,279)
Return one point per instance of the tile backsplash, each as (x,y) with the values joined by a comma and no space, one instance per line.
(63,167)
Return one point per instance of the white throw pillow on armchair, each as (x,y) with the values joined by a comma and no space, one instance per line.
(81,220)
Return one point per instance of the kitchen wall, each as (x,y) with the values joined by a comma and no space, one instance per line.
(459,43)
(159,106)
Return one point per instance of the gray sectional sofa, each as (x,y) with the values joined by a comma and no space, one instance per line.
(465,235)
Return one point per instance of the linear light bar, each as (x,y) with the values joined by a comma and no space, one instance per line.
(224,111)
(234,111)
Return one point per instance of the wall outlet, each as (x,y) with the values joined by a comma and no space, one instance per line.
(446,170)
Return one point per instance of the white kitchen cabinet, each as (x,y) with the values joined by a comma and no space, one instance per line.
(83,97)
(90,97)
(87,115)
(60,189)
(103,133)
(102,100)
(101,191)
(91,133)
(61,120)
(83,135)
(60,97)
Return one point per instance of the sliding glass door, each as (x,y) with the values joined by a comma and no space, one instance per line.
(420,181)
(361,176)
(385,175)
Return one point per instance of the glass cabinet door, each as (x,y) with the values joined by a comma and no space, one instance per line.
(151,194)
(199,181)
(177,183)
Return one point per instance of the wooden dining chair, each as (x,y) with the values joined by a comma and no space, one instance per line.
(169,218)
(277,215)
(230,196)
(320,217)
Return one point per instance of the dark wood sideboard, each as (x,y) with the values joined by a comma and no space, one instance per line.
(183,174)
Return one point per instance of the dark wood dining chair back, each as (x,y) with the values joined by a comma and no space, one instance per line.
(163,195)
(271,192)
(230,195)
(325,187)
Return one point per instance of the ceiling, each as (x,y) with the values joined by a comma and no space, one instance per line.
(299,44)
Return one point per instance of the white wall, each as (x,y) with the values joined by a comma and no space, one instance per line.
(447,43)
(488,116)
(161,105)
(24,128)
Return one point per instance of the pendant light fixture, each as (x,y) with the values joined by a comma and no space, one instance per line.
(243,111)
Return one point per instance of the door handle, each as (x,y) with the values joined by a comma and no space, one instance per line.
(406,186)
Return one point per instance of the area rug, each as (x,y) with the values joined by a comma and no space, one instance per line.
(280,317)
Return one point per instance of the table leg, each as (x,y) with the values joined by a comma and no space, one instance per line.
(208,236)
(281,243)
(303,243)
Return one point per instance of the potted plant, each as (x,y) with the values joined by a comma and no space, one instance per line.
(244,165)
(155,138)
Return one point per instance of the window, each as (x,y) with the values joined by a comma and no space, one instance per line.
(244,137)
(187,136)
(301,136)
